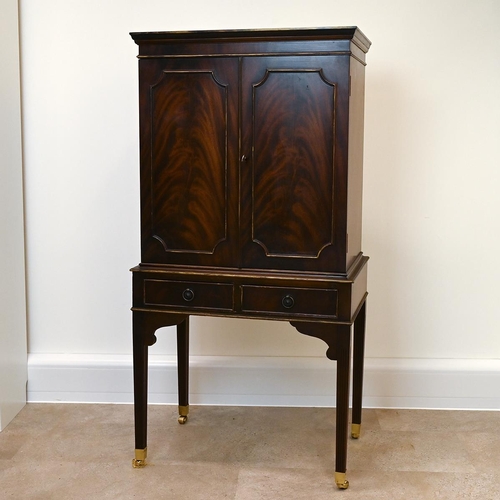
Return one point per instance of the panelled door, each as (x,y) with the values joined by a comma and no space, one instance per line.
(293,162)
(189,161)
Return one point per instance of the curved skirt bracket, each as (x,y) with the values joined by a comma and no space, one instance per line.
(327,332)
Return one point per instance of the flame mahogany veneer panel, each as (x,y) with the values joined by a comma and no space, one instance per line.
(189,141)
(189,166)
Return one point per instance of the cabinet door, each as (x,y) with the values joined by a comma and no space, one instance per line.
(293,168)
(189,139)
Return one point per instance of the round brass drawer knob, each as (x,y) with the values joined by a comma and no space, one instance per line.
(188,295)
(288,301)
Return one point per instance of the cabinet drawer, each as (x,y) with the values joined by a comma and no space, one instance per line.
(188,294)
(283,301)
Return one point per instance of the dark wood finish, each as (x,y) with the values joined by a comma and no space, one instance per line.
(140,358)
(358,364)
(189,141)
(289,300)
(293,187)
(183,361)
(338,339)
(292,162)
(342,415)
(355,160)
(189,294)
(323,331)
(251,186)
(189,167)
(145,325)
(151,292)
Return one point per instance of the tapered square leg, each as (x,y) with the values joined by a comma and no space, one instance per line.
(358,369)
(140,357)
(183,369)
(342,421)
(145,324)
(338,339)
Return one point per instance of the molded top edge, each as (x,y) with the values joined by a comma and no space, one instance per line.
(333,33)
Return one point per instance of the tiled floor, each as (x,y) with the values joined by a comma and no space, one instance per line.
(69,451)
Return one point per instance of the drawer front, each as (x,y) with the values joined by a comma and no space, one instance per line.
(281,301)
(188,294)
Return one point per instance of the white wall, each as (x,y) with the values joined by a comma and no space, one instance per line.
(432,158)
(13,357)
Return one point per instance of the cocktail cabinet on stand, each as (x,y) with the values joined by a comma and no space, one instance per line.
(251,152)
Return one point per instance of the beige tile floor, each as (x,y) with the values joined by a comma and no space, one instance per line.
(69,451)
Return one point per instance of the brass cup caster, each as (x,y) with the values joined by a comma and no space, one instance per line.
(341,481)
(183,414)
(139,462)
(355,431)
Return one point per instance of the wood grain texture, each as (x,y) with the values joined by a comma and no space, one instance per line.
(312,302)
(246,192)
(294,125)
(189,161)
(293,162)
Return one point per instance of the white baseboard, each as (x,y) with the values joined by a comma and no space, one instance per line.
(267,381)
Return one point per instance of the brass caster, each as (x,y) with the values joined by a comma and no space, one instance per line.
(355,431)
(183,414)
(139,462)
(341,481)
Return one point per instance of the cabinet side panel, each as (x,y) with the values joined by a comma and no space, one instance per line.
(355,160)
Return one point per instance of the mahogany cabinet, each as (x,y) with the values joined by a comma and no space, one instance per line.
(251,185)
